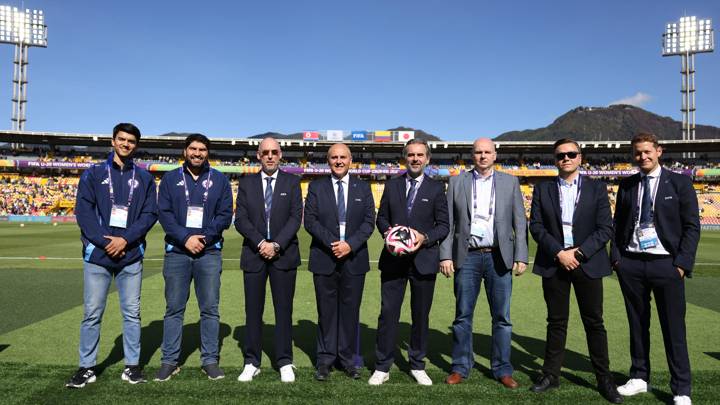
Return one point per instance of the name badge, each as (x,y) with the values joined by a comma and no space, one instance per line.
(342,230)
(480,227)
(647,237)
(119,216)
(194,217)
(568,235)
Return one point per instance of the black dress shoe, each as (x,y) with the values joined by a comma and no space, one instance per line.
(545,383)
(608,390)
(322,373)
(353,373)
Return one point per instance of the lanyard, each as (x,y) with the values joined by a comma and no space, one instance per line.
(187,193)
(577,196)
(476,176)
(112,190)
(639,199)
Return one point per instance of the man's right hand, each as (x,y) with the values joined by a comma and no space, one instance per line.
(567,259)
(447,268)
(266,250)
(195,244)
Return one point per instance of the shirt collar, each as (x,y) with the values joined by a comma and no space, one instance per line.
(418,178)
(478,176)
(111,161)
(345,179)
(653,174)
(264,175)
(568,184)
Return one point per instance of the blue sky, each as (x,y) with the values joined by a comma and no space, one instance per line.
(457,69)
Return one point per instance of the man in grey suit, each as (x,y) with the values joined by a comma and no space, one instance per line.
(487,241)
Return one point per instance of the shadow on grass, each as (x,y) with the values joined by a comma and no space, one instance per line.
(3,347)
(151,341)
(714,355)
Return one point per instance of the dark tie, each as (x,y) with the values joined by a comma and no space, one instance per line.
(411,195)
(341,202)
(646,205)
(268,202)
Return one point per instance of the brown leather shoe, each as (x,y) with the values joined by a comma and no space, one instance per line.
(454,378)
(508,382)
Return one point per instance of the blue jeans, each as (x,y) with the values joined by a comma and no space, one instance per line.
(96,283)
(179,270)
(480,266)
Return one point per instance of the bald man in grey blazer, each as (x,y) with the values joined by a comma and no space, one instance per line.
(487,241)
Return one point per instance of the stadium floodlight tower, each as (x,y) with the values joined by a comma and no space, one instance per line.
(686,38)
(22,29)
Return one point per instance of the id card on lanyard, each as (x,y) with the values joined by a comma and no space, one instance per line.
(119,212)
(567,225)
(194,217)
(480,226)
(646,233)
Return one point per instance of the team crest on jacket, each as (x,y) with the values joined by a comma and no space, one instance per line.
(133,183)
(106,181)
(180,183)
(205,183)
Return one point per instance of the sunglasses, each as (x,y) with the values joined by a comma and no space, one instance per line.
(270,152)
(570,155)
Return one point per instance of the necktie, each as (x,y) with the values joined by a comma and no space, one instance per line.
(646,205)
(268,203)
(341,202)
(411,195)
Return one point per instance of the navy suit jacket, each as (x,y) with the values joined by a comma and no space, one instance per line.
(677,220)
(285,217)
(321,221)
(592,227)
(429,215)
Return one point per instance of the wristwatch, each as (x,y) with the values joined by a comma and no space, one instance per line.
(580,256)
(276,246)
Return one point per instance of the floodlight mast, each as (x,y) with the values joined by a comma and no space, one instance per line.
(686,38)
(23,29)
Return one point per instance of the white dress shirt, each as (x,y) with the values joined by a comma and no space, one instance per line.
(481,207)
(634,244)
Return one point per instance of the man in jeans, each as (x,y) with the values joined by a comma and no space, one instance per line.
(115,208)
(195,207)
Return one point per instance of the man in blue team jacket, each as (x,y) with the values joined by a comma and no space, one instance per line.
(195,207)
(115,208)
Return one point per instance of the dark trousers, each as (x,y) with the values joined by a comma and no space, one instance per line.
(392,286)
(639,276)
(282,285)
(338,296)
(589,296)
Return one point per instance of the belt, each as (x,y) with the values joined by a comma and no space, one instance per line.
(644,256)
(481,249)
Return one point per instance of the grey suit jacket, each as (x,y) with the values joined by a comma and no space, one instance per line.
(510,222)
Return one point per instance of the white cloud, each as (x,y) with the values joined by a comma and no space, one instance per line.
(638,99)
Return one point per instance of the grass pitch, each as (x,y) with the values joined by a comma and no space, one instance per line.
(41,273)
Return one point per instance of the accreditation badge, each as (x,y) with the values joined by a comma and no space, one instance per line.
(568,235)
(647,236)
(119,216)
(194,217)
(480,227)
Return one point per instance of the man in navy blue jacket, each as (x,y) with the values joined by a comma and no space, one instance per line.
(340,217)
(418,202)
(195,207)
(115,208)
(657,230)
(268,215)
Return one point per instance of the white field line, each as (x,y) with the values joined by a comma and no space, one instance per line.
(225,260)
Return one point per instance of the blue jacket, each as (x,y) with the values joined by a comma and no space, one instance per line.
(217,212)
(93,206)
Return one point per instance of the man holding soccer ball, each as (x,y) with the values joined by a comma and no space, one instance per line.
(419,203)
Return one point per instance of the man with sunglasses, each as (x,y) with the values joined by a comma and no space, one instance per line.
(195,207)
(268,215)
(571,223)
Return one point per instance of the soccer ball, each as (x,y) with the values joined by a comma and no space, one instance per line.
(399,240)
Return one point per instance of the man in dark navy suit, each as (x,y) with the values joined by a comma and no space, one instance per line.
(268,214)
(418,202)
(571,223)
(657,229)
(340,217)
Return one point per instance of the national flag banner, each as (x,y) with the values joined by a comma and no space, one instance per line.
(383,136)
(359,135)
(404,136)
(334,135)
(311,135)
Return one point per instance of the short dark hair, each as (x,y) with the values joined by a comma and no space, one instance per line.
(197,138)
(127,128)
(417,141)
(645,137)
(563,141)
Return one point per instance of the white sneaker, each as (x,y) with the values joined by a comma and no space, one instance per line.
(248,373)
(421,377)
(378,377)
(682,400)
(287,375)
(632,387)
